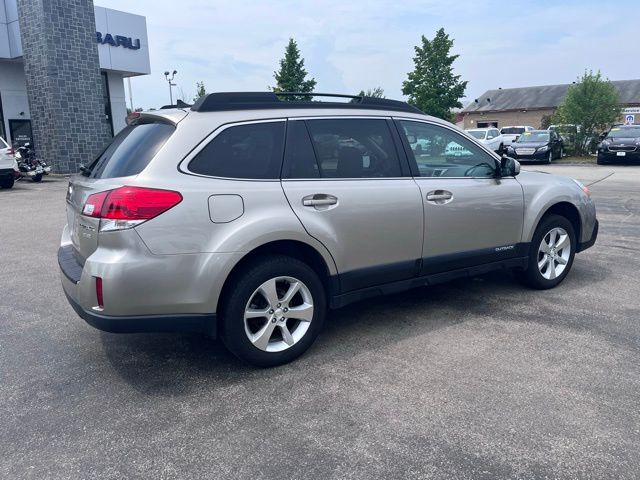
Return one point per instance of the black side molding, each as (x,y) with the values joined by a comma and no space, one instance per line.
(338,301)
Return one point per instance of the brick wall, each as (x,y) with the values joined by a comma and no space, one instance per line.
(63,80)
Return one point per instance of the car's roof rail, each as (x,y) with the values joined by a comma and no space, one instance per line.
(216,102)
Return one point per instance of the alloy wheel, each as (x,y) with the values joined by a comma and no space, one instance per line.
(554,253)
(278,314)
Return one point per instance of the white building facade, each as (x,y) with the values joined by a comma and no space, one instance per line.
(123,51)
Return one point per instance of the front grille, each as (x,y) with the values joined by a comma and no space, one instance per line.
(622,148)
(525,151)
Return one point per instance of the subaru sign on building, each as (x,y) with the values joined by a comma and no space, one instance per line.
(123,51)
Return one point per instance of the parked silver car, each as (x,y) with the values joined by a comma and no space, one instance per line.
(247,217)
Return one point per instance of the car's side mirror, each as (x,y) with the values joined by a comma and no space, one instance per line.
(509,167)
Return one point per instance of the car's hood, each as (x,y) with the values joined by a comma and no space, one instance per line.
(527,176)
(621,141)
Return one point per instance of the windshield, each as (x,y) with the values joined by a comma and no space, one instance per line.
(512,130)
(533,137)
(629,132)
(479,134)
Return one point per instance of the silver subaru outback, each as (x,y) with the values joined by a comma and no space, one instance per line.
(249,215)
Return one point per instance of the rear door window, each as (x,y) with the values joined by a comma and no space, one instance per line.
(131,150)
(251,151)
(353,148)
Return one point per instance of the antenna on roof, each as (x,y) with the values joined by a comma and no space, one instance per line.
(488,100)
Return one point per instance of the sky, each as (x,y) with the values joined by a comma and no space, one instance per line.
(353,45)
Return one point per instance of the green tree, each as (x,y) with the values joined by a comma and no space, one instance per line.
(593,104)
(200,91)
(432,86)
(292,76)
(376,92)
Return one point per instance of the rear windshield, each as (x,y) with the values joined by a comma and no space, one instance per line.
(479,134)
(131,150)
(512,130)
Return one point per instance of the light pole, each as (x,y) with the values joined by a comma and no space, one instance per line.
(170,80)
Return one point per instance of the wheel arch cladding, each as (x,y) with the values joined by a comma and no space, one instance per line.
(290,248)
(568,211)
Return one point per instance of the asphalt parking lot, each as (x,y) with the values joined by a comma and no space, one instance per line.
(474,379)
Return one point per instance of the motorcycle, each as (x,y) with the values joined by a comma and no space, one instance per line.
(29,165)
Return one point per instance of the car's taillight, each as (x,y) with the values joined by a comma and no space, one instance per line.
(93,205)
(99,295)
(11,151)
(126,207)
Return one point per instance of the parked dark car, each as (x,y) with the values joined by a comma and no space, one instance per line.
(537,145)
(620,144)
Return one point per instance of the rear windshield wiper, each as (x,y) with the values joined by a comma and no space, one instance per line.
(86,171)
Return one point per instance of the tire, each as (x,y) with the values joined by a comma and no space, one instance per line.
(600,161)
(561,154)
(7,183)
(283,272)
(549,158)
(544,275)
(37,178)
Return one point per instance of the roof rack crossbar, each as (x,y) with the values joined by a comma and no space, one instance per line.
(270,100)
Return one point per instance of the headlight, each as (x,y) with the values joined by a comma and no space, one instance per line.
(543,149)
(582,187)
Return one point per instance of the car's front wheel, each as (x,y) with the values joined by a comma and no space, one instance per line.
(549,158)
(274,311)
(551,253)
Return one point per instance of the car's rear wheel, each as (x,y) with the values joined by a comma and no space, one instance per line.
(7,182)
(551,253)
(274,312)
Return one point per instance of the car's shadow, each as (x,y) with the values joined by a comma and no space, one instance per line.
(173,364)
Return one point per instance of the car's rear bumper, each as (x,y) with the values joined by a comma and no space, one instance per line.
(199,323)
(77,285)
(589,243)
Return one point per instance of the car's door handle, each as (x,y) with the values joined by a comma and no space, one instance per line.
(439,196)
(319,200)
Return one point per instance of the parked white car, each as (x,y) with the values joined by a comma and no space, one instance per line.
(8,165)
(491,137)
(511,134)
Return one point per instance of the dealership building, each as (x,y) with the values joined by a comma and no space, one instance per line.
(63,66)
(530,105)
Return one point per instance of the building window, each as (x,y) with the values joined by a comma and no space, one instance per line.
(107,100)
